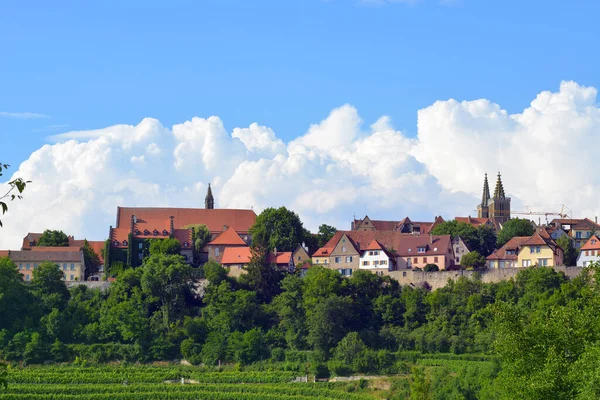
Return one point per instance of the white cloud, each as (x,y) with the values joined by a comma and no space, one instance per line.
(22,115)
(335,170)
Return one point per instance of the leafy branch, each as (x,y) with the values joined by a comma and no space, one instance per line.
(16,188)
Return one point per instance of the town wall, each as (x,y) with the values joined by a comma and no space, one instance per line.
(439,279)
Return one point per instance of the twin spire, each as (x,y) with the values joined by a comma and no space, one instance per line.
(498,192)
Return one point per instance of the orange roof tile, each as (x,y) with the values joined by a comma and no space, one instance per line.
(593,243)
(214,219)
(323,251)
(374,245)
(4,253)
(236,255)
(283,257)
(513,244)
(228,237)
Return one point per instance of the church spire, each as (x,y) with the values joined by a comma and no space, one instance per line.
(499,191)
(486,192)
(209,201)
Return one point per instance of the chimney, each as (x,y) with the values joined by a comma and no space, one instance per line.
(304,246)
(225,227)
(275,251)
(596,218)
(430,238)
(110,233)
(172,225)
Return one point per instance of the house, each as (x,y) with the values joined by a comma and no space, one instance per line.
(70,261)
(404,226)
(580,230)
(348,250)
(589,252)
(506,256)
(236,259)
(541,250)
(300,254)
(460,249)
(226,239)
(476,222)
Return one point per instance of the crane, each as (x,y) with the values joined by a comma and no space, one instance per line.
(528,211)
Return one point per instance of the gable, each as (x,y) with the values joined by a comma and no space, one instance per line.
(345,243)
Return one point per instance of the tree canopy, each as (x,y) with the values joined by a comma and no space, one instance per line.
(512,228)
(481,239)
(473,260)
(53,238)
(280,227)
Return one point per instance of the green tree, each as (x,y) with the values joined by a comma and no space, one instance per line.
(261,277)
(214,272)
(325,233)
(486,238)
(15,189)
(420,384)
(36,351)
(569,250)
(465,231)
(49,286)
(282,227)
(165,246)
(473,260)
(15,299)
(92,260)
(431,268)
(288,306)
(350,348)
(329,321)
(201,236)
(53,238)
(512,228)
(3,376)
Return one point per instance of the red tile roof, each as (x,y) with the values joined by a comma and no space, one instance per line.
(404,244)
(283,257)
(4,253)
(214,219)
(591,246)
(323,251)
(236,255)
(228,237)
(513,244)
(586,224)
(374,245)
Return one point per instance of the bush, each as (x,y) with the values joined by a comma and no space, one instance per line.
(339,368)
(431,268)
(319,370)
(278,354)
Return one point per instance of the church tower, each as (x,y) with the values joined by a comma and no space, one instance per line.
(483,208)
(209,201)
(499,207)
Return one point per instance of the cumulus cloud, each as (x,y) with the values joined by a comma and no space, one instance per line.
(337,169)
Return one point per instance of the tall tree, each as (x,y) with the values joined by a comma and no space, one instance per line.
(200,235)
(569,250)
(473,260)
(48,285)
(282,227)
(53,238)
(325,233)
(512,228)
(91,258)
(262,276)
(486,238)
(165,246)
(14,296)
(15,189)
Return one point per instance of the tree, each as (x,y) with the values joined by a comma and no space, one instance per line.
(431,268)
(91,258)
(14,296)
(17,184)
(48,285)
(261,276)
(53,238)
(214,272)
(3,376)
(165,246)
(349,348)
(282,227)
(465,231)
(329,322)
(473,260)
(325,233)
(200,236)
(486,238)
(569,250)
(288,306)
(512,228)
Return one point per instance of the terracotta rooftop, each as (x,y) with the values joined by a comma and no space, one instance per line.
(41,256)
(228,237)
(283,257)
(236,255)
(513,244)
(593,243)
(214,219)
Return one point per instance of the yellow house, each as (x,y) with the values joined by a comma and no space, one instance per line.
(539,250)
(70,261)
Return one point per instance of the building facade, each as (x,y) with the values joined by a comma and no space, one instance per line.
(589,252)
(497,207)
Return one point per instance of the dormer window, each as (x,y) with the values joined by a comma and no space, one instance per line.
(116,243)
(137,231)
(410,250)
(593,241)
(155,233)
(146,232)
(124,242)
(421,249)
(186,244)
(164,232)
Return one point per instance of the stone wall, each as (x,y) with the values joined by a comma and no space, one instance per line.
(439,279)
(102,285)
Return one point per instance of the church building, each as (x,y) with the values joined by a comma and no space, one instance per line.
(497,207)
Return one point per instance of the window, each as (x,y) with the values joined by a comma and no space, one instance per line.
(338,260)
(326,261)
(140,245)
(410,250)
(34,265)
(345,271)
(425,260)
(589,234)
(137,232)
(343,249)
(435,259)
(531,249)
(376,253)
(116,243)
(318,261)
(415,260)
(146,232)
(587,253)
(28,267)
(65,267)
(383,262)
(155,233)
(457,250)
(72,278)
(370,253)
(421,249)
(27,277)
(380,273)
(365,263)
(404,273)
(578,235)
(456,259)
(299,257)
(186,244)
(349,259)
(527,263)
(435,249)
(216,252)
(72,267)
(543,262)
(125,243)
(537,249)
(376,262)
(21,267)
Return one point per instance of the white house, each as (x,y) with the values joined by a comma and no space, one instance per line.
(589,252)
(376,259)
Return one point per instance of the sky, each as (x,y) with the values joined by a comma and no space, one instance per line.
(332,108)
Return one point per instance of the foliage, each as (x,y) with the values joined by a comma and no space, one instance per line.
(481,239)
(569,250)
(200,235)
(165,246)
(17,184)
(325,233)
(281,228)
(431,268)
(514,227)
(53,238)
(92,260)
(262,277)
(473,260)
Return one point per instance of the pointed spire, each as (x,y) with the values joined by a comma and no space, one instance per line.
(486,192)
(499,191)
(209,201)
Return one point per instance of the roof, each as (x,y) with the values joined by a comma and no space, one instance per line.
(41,256)
(374,245)
(513,244)
(228,237)
(282,257)
(4,253)
(566,221)
(236,255)
(323,251)
(593,243)
(586,224)
(214,219)
(403,244)
(541,238)
(382,225)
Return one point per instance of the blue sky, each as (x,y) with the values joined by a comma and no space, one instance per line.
(284,64)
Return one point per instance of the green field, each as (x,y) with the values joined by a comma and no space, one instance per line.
(148,382)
